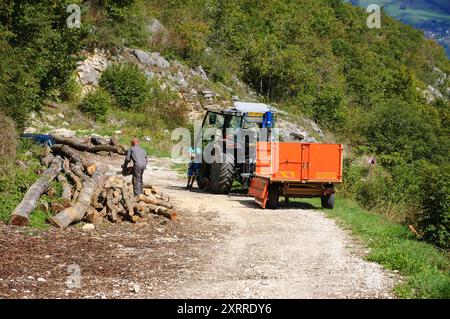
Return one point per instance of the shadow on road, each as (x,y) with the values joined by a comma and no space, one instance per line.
(296,205)
(250,203)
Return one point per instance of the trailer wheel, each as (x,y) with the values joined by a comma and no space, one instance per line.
(327,201)
(274,197)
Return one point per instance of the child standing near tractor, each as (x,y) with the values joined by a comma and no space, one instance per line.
(194,165)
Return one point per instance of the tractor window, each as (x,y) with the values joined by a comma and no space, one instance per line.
(214,120)
(251,125)
(212,126)
(234,122)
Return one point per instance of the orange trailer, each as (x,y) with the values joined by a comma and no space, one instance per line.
(293,169)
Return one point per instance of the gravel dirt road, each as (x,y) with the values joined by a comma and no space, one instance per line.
(221,247)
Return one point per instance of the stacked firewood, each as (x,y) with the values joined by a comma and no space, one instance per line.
(88,193)
(114,200)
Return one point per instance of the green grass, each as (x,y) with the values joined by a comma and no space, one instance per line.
(425,268)
(180,168)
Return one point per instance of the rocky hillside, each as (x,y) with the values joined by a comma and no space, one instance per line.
(191,84)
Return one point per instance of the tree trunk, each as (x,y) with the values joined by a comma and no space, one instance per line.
(89,148)
(112,211)
(67,188)
(20,215)
(76,213)
(69,153)
(163,211)
(128,203)
(157,202)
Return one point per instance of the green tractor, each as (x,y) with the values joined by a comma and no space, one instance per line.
(234,154)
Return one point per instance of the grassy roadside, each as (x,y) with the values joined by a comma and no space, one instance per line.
(425,268)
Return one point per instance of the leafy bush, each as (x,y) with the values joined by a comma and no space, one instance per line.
(19,89)
(72,90)
(118,23)
(37,51)
(327,106)
(127,85)
(399,126)
(96,105)
(166,106)
(8,142)
(373,190)
(435,219)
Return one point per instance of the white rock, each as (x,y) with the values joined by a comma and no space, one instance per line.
(30,130)
(60,115)
(316,128)
(40,279)
(202,73)
(136,288)
(158,60)
(63,132)
(155,26)
(88,227)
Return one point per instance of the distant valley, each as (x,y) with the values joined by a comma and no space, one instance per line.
(431,16)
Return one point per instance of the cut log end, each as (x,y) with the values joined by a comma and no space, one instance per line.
(17,220)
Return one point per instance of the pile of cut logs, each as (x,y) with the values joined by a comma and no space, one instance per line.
(89,194)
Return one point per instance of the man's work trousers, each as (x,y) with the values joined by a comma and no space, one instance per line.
(138,183)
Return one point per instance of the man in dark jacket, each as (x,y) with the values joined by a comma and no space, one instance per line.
(140,160)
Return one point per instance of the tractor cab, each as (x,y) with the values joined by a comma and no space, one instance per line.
(234,131)
(243,116)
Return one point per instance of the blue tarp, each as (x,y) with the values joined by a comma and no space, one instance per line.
(43,139)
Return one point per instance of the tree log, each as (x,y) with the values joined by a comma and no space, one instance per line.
(157,202)
(141,210)
(163,211)
(67,188)
(110,206)
(69,153)
(45,161)
(93,217)
(78,186)
(77,212)
(97,140)
(127,202)
(21,214)
(89,148)
(134,219)
(113,141)
(98,193)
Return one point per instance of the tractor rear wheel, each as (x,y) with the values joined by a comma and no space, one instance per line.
(201,182)
(222,175)
(274,197)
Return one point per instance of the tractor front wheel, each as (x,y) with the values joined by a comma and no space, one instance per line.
(222,175)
